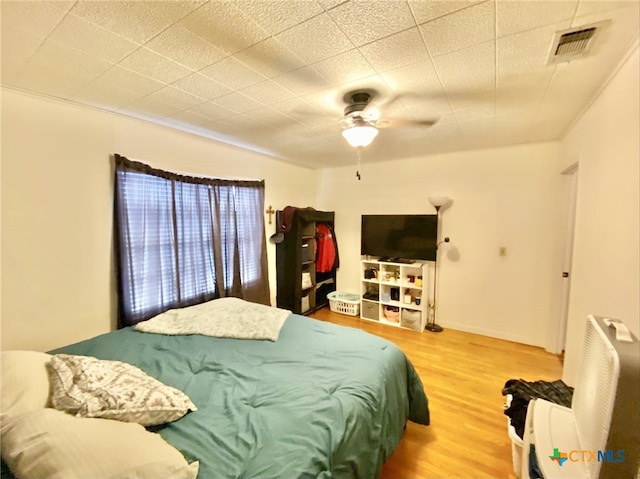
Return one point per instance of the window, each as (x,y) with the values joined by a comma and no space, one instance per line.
(184,240)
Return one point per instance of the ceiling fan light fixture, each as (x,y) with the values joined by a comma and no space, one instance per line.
(360,135)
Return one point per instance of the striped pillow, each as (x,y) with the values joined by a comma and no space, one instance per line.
(51,443)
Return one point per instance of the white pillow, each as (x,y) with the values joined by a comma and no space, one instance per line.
(52,444)
(91,387)
(24,381)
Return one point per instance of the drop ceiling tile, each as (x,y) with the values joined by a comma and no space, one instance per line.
(185,47)
(154,65)
(269,117)
(149,108)
(202,86)
(480,112)
(212,111)
(52,73)
(443,119)
(514,127)
(345,67)
(224,25)
(172,96)
(208,131)
(329,4)
(480,126)
(384,18)
(138,21)
(18,46)
(618,29)
(316,39)
(427,107)
(275,17)
(303,113)
(188,118)
(267,92)
(427,11)
(404,135)
(527,53)
(90,38)
(472,100)
(76,63)
(233,73)
(533,101)
(460,29)
(530,82)
(104,95)
(590,7)
(238,102)
(130,80)
(157,105)
(302,81)
(270,57)
(564,91)
(395,50)
(418,78)
(515,121)
(551,123)
(478,133)
(521,97)
(514,17)
(234,125)
(478,73)
(40,17)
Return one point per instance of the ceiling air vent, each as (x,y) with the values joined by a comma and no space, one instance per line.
(573,44)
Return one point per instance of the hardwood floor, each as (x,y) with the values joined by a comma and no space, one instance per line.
(463,375)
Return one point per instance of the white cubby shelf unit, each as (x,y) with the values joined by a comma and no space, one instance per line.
(394,293)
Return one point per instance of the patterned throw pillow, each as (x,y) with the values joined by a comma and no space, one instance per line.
(88,387)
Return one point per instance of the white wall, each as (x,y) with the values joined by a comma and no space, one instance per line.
(501,197)
(606,256)
(57,176)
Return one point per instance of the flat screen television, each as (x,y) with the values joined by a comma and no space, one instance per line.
(399,237)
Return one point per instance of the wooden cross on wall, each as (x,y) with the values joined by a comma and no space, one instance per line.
(270,211)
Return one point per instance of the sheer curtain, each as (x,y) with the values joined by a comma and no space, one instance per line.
(183,240)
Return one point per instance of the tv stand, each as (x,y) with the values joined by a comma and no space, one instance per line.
(394,292)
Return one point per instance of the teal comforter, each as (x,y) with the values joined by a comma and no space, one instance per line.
(323,401)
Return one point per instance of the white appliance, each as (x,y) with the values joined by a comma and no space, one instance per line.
(598,437)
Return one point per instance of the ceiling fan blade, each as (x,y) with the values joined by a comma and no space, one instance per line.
(376,107)
(396,123)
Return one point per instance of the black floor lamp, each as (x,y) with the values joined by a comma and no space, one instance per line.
(437,202)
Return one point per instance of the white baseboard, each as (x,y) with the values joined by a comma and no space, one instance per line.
(490,333)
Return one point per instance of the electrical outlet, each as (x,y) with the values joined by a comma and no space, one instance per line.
(502,251)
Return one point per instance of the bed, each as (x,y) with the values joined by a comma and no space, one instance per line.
(322,400)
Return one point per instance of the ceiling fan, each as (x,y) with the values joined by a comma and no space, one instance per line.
(362,117)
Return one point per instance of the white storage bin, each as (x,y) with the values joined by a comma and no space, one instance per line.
(516,450)
(304,304)
(516,443)
(345,303)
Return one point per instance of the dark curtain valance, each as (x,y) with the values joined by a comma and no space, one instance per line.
(131,165)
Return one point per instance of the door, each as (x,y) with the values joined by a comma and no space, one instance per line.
(571,190)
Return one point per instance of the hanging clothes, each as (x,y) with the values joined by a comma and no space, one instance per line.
(327,249)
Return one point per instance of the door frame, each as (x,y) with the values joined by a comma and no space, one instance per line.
(570,175)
